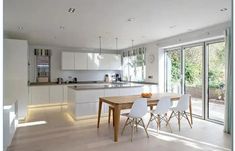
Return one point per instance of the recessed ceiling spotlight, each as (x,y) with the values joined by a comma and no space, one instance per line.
(20,28)
(62,27)
(223,9)
(71,10)
(131,19)
(173,26)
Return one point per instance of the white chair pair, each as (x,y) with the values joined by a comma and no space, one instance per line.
(164,105)
(139,109)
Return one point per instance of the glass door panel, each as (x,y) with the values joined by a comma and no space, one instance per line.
(193,73)
(173,71)
(216,81)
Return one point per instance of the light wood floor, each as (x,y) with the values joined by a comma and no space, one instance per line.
(53,130)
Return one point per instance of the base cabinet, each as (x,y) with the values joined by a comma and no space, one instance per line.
(43,95)
(40,95)
(85,103)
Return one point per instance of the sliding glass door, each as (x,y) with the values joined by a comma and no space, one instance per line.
(216,80)
(193,76)
(199,70)
(173,70)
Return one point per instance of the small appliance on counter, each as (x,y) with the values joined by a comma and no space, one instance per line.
(60,80)
(75,80)
(106,78)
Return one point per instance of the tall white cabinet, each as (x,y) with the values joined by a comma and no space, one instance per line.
(15,67)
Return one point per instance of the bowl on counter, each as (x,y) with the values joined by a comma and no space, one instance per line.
(146,95)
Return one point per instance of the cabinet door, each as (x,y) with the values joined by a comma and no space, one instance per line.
(111,92)
(67,61)
(93,61)
(131,91)
(56,94)
(116,62)
(110,62)
(40,95)
(85,109)
(81,61)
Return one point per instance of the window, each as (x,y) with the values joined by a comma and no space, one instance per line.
(199,69)
(134,68)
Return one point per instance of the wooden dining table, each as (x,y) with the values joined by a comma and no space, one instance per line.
(125,102)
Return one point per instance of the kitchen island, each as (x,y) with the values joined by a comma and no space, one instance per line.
(83,100)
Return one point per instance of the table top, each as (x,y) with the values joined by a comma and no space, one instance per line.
(119,100)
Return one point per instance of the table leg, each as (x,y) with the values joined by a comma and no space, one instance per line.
(151,107)
(116,122)
(99,113)
(190,110)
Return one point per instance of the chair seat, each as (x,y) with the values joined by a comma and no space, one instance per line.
(157,112)
(175,109)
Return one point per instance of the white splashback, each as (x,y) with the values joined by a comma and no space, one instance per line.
(82,75)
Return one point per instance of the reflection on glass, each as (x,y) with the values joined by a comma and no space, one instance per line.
(193,68)
(216,80)
(173,71)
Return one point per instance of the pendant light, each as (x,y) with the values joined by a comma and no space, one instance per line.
(132,43)
(116,45)
(100,55)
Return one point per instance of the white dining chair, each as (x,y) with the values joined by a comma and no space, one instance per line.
(179,111)
(160,113)
(134,117)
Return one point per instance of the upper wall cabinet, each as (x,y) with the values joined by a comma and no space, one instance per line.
(110,62)
(67,61)
(90,61)
(80,61)
(93,61)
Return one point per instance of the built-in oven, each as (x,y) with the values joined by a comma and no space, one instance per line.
(43,64)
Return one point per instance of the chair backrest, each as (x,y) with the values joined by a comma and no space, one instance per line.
(139,108)
(183,103)
(163,105)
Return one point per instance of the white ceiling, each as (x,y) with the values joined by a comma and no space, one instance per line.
(154,19)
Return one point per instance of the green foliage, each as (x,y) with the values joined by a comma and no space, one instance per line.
(193,65)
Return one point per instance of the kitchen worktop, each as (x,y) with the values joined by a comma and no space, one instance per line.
(105,86)
(64,83)
(87,82)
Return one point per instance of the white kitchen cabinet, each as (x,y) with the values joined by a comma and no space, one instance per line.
(67,61)
(111,92)
(80,61)
(110,62)
(131,91)
(86,109)
(89,95)
(56,94)
(93,61)
(40,95)
(15,75)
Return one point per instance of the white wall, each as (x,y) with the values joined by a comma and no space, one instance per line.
(82,75)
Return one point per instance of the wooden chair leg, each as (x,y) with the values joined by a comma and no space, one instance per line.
(151,116)
(125,125)
(159,121)
(145,129)
(109,115)
(169,118)
(179,120)
(187,119)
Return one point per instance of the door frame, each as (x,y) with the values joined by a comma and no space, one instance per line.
(205,59)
